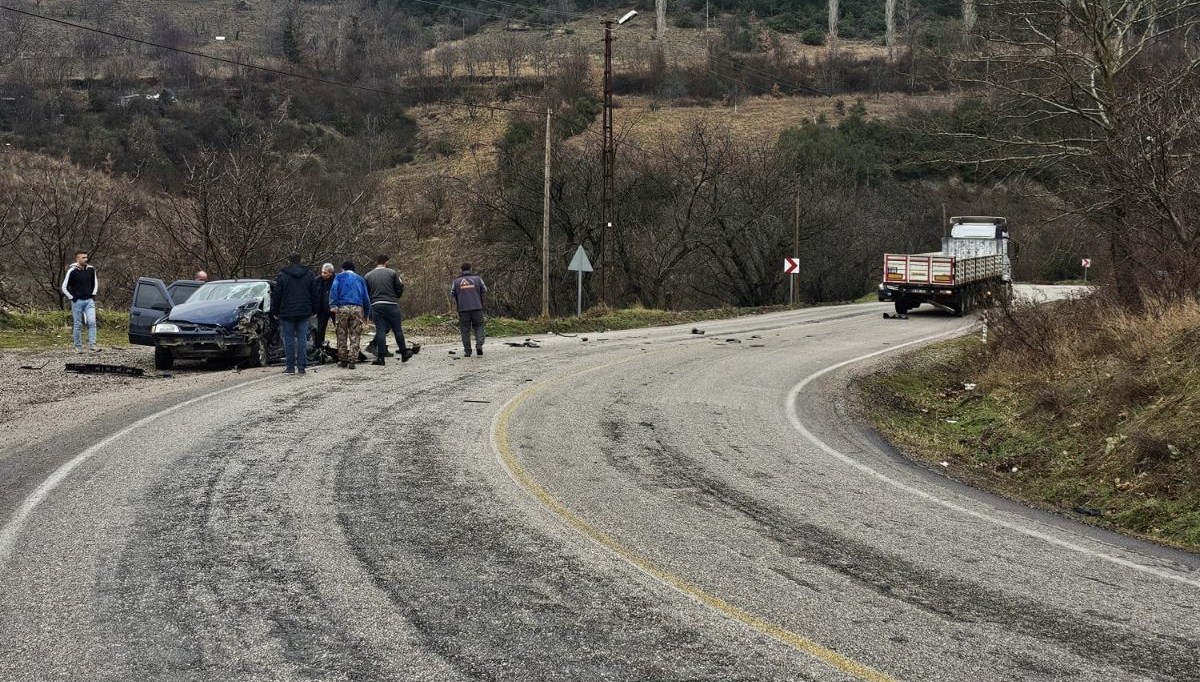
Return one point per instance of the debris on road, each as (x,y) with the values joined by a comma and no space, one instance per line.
(528,343)
(897,316)
(698,331)
(38,367)
(92,368)
(733,340)
(468,400)
(1088,511)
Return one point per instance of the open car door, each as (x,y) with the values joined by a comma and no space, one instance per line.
(182,290)
(151,301)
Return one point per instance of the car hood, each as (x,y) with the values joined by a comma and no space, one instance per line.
(223,312)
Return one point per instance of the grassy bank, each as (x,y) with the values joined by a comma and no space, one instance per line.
(40,328)
(1077,407)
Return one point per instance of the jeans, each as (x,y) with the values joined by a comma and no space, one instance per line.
(387,317)
(468,320)
(83,311)
(294,333)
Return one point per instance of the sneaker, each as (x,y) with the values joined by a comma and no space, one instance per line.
(467,352)
(479,351)
(78,349)
(300,371)
(404,357)
(94,348)
(289,370)
(379,361)
(350,365)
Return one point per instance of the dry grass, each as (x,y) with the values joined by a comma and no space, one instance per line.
(1081,406)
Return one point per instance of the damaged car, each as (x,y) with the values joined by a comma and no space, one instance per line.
(224,319)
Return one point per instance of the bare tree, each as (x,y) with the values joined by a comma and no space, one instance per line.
(56,208)
(1073,76)
(243,209)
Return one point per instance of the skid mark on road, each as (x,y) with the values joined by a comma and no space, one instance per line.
(511,463)
(790,407)
(8,534)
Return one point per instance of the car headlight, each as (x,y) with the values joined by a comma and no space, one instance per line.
(166,328)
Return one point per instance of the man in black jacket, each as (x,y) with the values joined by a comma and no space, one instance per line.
(80,286)
(295,300)
(324,282)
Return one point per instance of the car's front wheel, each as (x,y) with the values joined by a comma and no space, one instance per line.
(258,354)
(163,358)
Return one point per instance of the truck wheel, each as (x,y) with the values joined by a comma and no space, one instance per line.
(163,358)
(901,309)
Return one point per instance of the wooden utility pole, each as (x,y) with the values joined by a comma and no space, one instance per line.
(795,246)
(546,224)
(660,18)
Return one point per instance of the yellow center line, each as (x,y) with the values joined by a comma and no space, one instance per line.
(511,462)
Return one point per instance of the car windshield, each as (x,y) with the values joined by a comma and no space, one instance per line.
(216,291)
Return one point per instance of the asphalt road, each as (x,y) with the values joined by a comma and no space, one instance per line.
(645,505)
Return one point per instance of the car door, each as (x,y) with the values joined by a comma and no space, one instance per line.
(182,290)
(151,301)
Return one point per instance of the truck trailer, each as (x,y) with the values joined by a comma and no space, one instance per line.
(972,268)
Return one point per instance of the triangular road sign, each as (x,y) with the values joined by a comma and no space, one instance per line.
(580,262)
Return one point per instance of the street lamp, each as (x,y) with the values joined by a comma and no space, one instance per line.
(608,156)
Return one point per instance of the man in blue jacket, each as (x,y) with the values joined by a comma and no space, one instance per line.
(468,290)
(294,301)
(350,305)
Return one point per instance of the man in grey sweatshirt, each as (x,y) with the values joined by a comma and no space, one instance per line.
(468,290)
(385,288)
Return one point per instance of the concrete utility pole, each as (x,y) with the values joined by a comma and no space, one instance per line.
(609,154)
(546,225)
(660,18)
(889,34)
(833,30)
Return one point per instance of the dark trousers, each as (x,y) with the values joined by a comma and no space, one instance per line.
(294,333)
(387,317)
(322,325)
(468,320)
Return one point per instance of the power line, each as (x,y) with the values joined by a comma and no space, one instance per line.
(258,67)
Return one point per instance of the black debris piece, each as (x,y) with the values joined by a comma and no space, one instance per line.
(585,338)
(468,400)
(38,367)
(454,352)
(528,343)
(755,336)
(698,331)
(92,368)
(897,316)
(1088,511)
(569,336)
(733,340)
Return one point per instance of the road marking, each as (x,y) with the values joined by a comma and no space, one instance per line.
(8,534)
(510,462)
(790,406)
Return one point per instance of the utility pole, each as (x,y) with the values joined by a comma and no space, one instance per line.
(606,200)
(660,18)
(795,246)
(546,224)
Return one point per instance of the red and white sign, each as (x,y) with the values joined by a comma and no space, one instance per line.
(791,266)
(1087,262)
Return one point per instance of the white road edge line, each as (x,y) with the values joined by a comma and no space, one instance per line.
(8,534)
(790,407)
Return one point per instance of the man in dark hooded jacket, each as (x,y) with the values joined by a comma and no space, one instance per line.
(295,300)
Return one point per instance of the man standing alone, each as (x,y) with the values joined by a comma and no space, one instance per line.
(385,288)
(80,286)
(295,300)
(468,290)
(350,304)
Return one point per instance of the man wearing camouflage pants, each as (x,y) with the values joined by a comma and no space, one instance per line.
(350,304)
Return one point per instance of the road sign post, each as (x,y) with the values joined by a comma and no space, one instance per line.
(1087,263)
(580,264)
(791,266)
